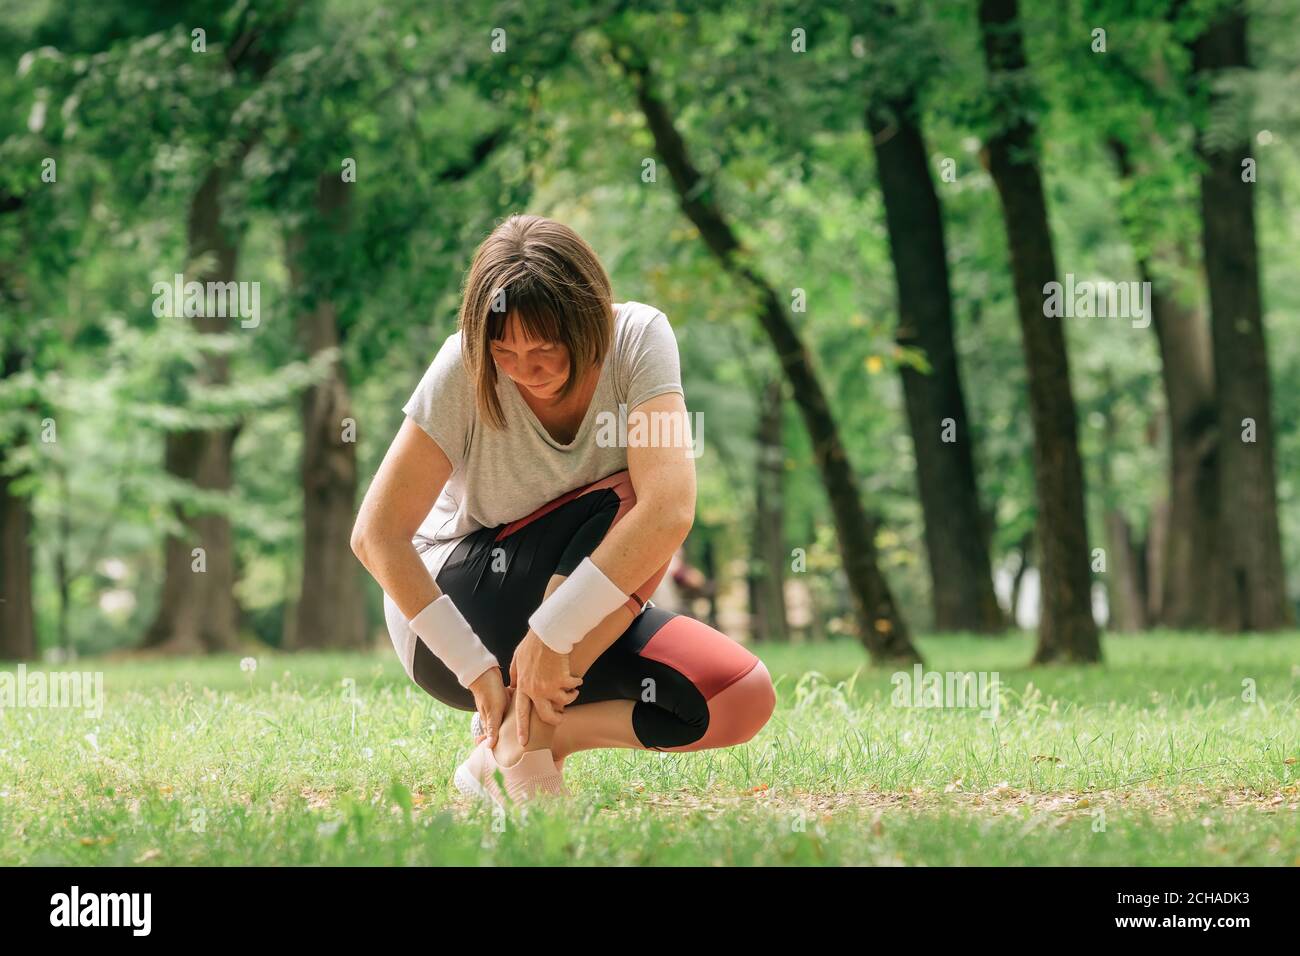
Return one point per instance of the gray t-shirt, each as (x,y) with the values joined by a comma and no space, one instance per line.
(501,475)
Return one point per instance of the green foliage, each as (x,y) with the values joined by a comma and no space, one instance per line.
(448,137)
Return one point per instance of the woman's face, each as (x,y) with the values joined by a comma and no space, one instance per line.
(541,368)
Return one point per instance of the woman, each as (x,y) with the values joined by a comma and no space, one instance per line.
(518,530)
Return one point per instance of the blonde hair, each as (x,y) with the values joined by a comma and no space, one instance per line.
(546,275)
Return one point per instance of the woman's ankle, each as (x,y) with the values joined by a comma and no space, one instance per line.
(508,750)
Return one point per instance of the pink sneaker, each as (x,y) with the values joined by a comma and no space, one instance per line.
(476,731)
(535,774)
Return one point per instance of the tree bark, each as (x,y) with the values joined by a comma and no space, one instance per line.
(1249,537)
(1124,593)
(884,633)
(956,542)
(17,607)
(17,615)
(1026,552)
(768,554)
(1123,576)
(1188,568)
(1067,631)
(1190,565)
(197,612)
(331,607)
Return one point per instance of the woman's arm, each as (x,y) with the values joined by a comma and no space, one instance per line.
(663,478)
(648,536)
(408,482)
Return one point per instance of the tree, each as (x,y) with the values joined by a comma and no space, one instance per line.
(767,557)
(1066,631)
(17,618)
(198,609)
(1187,568)
(1249,536)
(884,632)
(956,540)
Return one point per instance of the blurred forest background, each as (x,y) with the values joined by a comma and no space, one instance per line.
(849,212)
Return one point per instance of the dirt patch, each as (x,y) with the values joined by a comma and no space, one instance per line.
(1158,802)
(993,802)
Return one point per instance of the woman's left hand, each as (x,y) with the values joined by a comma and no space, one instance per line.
(542,678)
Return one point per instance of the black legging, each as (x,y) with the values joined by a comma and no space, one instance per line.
(693,686)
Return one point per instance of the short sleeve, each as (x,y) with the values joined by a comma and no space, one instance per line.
(443,403)
(654,366)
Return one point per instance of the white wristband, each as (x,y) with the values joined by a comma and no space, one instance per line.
(445,631)
(585,599)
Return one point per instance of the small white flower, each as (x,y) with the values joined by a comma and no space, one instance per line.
(367,752)
(248,664)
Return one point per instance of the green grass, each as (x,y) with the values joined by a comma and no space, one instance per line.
(1153,758)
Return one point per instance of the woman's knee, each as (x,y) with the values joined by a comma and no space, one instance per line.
(744,708)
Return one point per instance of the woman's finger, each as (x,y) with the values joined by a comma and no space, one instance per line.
(523,709)
(546,712)
(561,698)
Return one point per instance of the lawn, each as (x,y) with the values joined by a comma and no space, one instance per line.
(1181,749)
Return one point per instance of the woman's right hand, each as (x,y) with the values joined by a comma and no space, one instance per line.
(491,700)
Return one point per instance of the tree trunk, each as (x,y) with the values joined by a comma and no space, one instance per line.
(1026,552)
(883,632)
(709,565)
(17,608)
(1188,563)
(1157,545)
(768,554)
(197,612)
(17,616)
(961,577)
(1066,630)
(62,576)
(1249,537)
(1123,575)
(1124,591)
(330,608)
(1190,572)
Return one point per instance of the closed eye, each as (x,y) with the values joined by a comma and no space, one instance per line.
(502,350)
